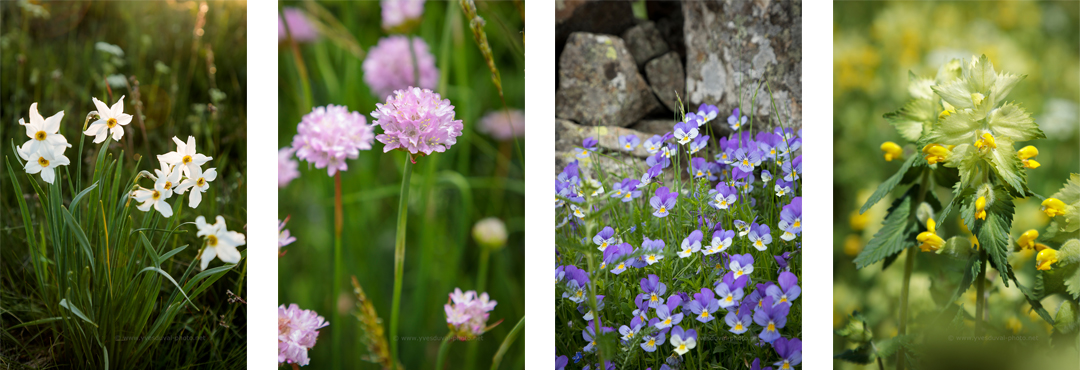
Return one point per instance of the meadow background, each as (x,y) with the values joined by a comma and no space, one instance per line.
(189,59)
(875,45)
(450,191)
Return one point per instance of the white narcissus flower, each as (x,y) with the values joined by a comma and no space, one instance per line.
(198,183)
(171,175)
(46,162)
(220,242)
(43,133)
(185,156)
(155,197)
(110,120)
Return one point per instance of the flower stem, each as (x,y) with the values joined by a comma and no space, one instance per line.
(399,258)
(444,348)
(507,342)
(909,265)
(336,285)
(980,298)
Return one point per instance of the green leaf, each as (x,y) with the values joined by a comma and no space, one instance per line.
(966,160)
(862,355)
(919,87)
(169,254)
(75,310)
(1012,122)
(886,187)
(1065,321)
(960,127)
(980,74)
(957,93)
(1067,226)
(167,276)
(910,120)
(894,234)
(949,71)
(149,249)
(1007,166)
(888,347)
(80,236)
(1004,84)
(971,270)
(35,322)
(77,198)
(1035,300)
(993,232)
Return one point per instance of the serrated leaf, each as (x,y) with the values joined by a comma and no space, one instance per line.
(993,232)
(1005,83)
(980,74)
(949,71)
(1066,226)
(1072,283)
(894,234)
(956,92)
(886,187)
(919,87)
(1012,122)
(1007,166)
(910,120)
(971,270)
(1065,320)
(1036,303)
(888,347)
(862,355)
(960,127)
(965,159)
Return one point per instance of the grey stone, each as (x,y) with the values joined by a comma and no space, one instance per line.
(599,83)
(607,17)
(654,126)
(644,43)
(568,135)
(665,75)
(734,48)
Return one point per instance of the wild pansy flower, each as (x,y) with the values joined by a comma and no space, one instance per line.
(734,282)
(929,239)
(792,169)
(790,352)
(782,260)
(629,332)
(628,142)
(767,143)
(663,201)
(653,289)
(691,244)
(742,227)
(659,160)
(741,264)
(577,211)
(649,175)
(110,121)
(782,187)
(747,159)
(669,150)
(220,242)
(467,313)
(561,362)
(655,250)
(738,322)
(388,66)
(199,182)
(588,316)
(650,342)
(44,134)
(760,293)
(743,180)
(45,160)
(734,121)
(642,311)
(698,167)
(704,305)
(155,197)
(588,146)
(599,187)
(787,291)
(615,255)
(683,341)
(1026,155)
(1045,259)
(576,282)
(396,13)
(725,196)
(1053,207)
(653,144)
(630,190)
(728,296)
(589,334)
(184,156)
(721,240)
(699,143)
(771,318)
(417,121)
(577,357)
(687,131)
(297,332)
(503,124)
(287,167)
(667,319)
(766,176)
(706,113)
(757,365)
(604,238)
(791,219)
(760,236)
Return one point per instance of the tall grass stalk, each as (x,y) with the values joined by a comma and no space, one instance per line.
(399,257)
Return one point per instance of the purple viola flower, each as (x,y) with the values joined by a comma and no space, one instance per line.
(576,281)
(704,305)
(771,318)
(653,290)
(744,181)
(727,150)
(782,260)
(629,189)
(590,143)
(653,144)
(790,352)
(727,296)
(642,311)
(649,343)
(683,341)
(659,159)
(561,362)
(760,236)
(663,201)
(738,322)
(691,244)
(791,219)
(761,292)
(628,142)
(698,167)
(615,255)
(560,272)
(766,176)
(712,170)
(589,334)
(733,282)
(676,300)
(757,365)
(650,174)
(787,291)
(767,142)
(792,169)
(654,250)
(725,196)
(686,132)
(667,319)
(605,238)
(741,264)
(782,187)
(707,112)
(734,121)
(721,240)
(629,332)
(747,159)
(699,143)
(589,315)
(743,227)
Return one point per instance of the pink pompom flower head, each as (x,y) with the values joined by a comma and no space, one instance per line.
(297,331)
(401,15)
(389,65)
(467,313)
(417,121)
(329,135)
(503,124)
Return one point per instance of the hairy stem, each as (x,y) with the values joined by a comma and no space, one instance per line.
(980,298)
(909,265)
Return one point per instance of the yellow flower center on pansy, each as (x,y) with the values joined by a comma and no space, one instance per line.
(603,245)
(621,266)
(745,162)
(729,298)
(1053,207)
(627,146)
(1045,258)
(653,298)
(700,174)
(652,342)
(758,243)
(667,322)
(111,122)
(211,240)
(186,159)
(652,258)
(797,223)
(738,274)
(579,293)
(630,335)
(663,209)
(772,327)
(682,347)
(980,208)
(1027,239)
(584,152)
(577,212)
(43,162)
(892,151)
(41,135)
(704,314)
(786,365)
(783,298)
(738,326)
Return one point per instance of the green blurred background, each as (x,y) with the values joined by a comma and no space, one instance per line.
(875,44)
(191,77)
(450,191)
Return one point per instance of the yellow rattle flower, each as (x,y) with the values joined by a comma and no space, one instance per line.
(929,239)
(1053,207)
(892,151)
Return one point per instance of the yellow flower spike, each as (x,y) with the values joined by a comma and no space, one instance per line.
(1027,239)
(1031,163)
(892,151)
(1045,258)
(986,141)
(935,153)
(930,241)
(1026,152)
(980,208)
(1053,207)
(944,113)
(977,98)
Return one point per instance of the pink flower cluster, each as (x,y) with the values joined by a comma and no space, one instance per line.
(299,26)
(297,331)
(389,65)
(501,127)
(287,168)
(397,12)
(417,121)
(468,314)
(329,135)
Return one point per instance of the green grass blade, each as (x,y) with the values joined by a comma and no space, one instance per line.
(35,322)
(79,236)
(150,249)
(77,198)
(169,254)
(167,276)
(75,310)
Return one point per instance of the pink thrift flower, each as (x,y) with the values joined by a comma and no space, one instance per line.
(329,135)
(297,331)
(299,26)
(389,65)
(495,124)
(284,237)
(286,167)
(416,121)
(397,12)
(467,313)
